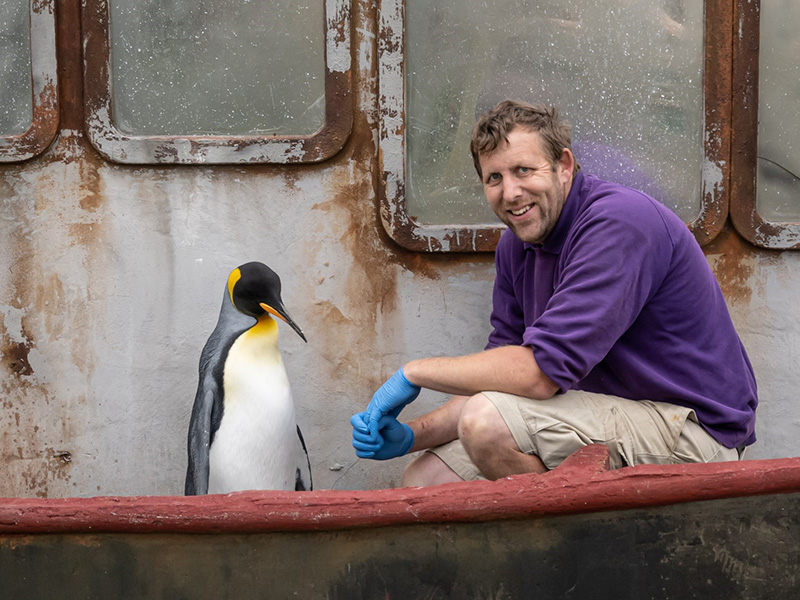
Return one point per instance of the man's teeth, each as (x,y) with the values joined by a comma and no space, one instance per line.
(521,211)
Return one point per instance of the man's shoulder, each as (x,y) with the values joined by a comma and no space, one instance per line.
(603,194)
(609,201)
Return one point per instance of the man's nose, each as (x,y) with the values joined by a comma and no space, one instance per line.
(511,188)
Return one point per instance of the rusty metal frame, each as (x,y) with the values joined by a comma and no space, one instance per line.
(744,158)
(717,106)
(407,232)
(120,147)
(44,124)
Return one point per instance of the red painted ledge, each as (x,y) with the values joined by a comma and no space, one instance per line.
(582,484)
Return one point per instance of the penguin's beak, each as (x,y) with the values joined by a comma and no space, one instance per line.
(283,315)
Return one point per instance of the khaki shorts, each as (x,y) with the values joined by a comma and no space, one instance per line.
(635,431)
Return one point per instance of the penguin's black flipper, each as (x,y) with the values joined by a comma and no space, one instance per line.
(199,442)
(300,483)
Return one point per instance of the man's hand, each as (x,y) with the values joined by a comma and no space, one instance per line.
(365,442)
(390,440)
(391,398)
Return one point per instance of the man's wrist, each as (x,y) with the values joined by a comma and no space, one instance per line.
(409,443)
(410,372)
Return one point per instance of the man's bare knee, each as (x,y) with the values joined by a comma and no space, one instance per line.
(489,443)
(428,469)
(481,426)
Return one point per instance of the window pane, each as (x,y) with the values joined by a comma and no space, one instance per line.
(16,92)
(778,188)
(628,74)
(213,67)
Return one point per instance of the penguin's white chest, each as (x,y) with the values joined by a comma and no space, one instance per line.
(255,446)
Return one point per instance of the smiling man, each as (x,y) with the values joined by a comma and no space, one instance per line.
(608,327)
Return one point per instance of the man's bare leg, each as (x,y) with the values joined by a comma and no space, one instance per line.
(428,469)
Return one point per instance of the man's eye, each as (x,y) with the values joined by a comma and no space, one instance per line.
(493,177)
(523,169)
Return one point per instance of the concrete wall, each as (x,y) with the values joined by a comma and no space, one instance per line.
(111,278)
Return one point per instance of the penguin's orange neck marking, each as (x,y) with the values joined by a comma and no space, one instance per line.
(265,326)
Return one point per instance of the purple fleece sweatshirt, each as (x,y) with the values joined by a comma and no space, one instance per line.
(620,300)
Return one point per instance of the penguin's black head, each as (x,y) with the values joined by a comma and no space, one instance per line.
(255,289)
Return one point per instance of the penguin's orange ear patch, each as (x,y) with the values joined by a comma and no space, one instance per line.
(235,276)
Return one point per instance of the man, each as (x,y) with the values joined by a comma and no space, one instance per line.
(609,327)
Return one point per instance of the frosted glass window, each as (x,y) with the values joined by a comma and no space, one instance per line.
(778,184)
(16,87)
(217,67)
(628,74)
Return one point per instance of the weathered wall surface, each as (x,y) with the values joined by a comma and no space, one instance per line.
(111,278)
(761,288)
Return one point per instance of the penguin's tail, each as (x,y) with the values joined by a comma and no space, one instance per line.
(299,483)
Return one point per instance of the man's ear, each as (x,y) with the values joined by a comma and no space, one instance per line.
(565,165)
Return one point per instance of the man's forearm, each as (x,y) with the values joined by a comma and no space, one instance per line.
(510,369)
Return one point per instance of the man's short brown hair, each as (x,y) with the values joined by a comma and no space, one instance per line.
(493,128)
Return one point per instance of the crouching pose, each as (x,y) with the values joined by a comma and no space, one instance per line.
(608,327)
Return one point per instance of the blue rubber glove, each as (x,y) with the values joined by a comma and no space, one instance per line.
(365,442)
(393,438)
(391,398)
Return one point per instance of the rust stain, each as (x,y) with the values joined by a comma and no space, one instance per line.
(70,63)
(330,314)
(372,281)
(49,298)
(56,209)
(83,233)
(356,324)
(39,6)
(88,541)
(732,261)
(15,356)
(91,196)
(291,176)
(16,345)
(337,25)
(87,229)
(350,339)
(344,340)
(16,541)
(29,466)
(53,206)
(388,40)
(765,229)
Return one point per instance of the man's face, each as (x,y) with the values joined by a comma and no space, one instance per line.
(523,188)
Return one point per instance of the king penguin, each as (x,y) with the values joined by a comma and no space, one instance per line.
(243,433)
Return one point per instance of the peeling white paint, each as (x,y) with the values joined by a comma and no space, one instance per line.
(118,147)
(338,20)
(712,176)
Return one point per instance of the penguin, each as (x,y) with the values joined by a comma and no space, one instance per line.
(243,433)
